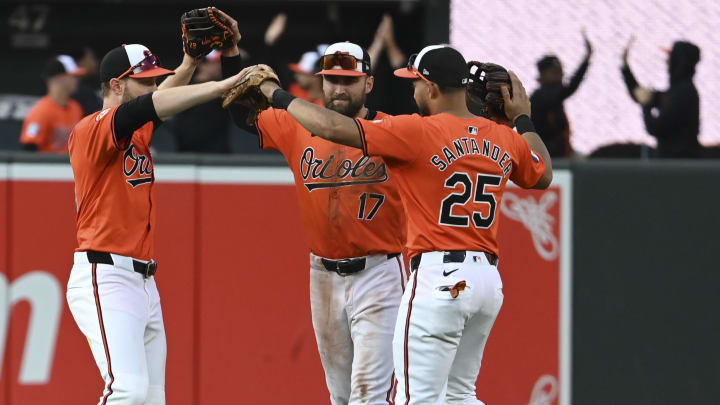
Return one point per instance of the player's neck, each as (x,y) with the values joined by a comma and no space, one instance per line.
(362,113)
(454,105)
(111,101)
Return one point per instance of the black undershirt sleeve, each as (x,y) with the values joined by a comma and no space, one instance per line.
(132,115)
(231,66)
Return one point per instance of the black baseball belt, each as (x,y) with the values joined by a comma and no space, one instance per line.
(146,269)
(453,256)
(346,267)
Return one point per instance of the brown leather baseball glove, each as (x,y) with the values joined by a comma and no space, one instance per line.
(248,94)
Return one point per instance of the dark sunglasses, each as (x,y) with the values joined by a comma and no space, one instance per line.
(150,62)
(411,67)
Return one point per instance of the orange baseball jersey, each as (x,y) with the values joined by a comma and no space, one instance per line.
(349,203)
(113,187)
(451,174)
(48,124)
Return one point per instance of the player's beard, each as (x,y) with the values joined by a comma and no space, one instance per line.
(349,108)
(128,95)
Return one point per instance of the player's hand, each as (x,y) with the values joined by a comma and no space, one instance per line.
(643,95)
(268,87)
(232,81)
(588,45)
(233,25)
(519,103)
(626,52)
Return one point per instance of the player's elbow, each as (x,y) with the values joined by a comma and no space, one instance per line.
(545,180)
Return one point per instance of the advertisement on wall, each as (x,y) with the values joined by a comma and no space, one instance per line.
(233,279)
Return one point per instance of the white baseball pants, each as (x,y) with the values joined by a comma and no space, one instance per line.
(354,317)
(119,312)
(439,340)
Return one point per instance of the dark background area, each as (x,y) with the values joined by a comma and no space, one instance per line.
(646,281)
(32,32)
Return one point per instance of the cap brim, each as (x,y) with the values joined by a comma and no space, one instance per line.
(406,73)
(78,72)
(156,72)
(340,72)
(297,69)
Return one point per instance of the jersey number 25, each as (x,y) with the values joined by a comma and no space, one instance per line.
(446,216)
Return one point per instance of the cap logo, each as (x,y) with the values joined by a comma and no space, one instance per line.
(425,72)
(464,81)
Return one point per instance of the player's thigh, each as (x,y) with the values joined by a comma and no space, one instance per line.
(488,300)
(427,335)
(155,343)
(376,295)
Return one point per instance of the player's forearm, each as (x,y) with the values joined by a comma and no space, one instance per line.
(169,102)
(326,123)
(538,146)
(182,75)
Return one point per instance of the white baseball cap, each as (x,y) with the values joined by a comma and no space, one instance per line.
(132,60)
(306,64)
(345,59)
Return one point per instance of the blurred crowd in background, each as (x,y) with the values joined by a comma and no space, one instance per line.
(72,90)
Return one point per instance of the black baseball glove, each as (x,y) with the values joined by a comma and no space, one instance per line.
(204,30)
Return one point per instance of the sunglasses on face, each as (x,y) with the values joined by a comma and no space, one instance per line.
(150,62)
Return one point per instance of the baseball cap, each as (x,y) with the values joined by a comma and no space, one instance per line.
(306,64)
(440,64)
(133,60)
(345,59)
(62,65)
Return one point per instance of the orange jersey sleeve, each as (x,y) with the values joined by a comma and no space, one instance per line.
(36,127)
(275,129)
(392,137)
(528,166)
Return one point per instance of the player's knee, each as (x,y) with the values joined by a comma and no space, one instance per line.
(129,389)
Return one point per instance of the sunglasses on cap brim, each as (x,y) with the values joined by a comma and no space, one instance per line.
(411,72)
(148,67)
(348,64)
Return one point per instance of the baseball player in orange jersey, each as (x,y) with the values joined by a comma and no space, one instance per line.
(355,227)
(451,169)
(111,291)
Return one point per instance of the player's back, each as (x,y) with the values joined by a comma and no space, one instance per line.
(452,179)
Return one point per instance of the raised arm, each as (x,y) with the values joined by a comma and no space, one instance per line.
(320,121)
(168,102)
(517,108)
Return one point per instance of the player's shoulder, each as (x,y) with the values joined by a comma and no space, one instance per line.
(42,108)
(96,119)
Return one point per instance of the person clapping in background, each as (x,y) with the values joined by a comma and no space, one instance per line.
(671,116)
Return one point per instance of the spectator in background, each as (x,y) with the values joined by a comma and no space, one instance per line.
(88,90)
(671,116)
(548,113)
(307,85)
(205,127)
(48,124)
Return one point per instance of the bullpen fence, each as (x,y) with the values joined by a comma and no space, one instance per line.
(610,286)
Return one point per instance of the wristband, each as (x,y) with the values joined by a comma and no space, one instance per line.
(523,123)
(282,99)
